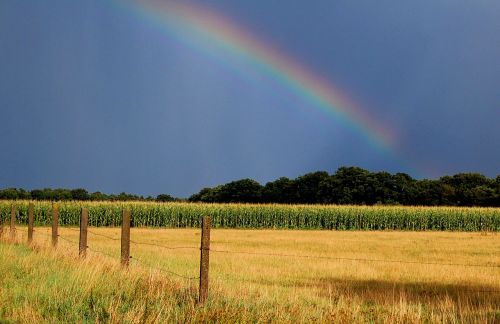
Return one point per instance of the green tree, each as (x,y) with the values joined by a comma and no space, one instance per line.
(164,198)
(282,190)
(204,195)
(434,193)
(245,190)
(464,185)
(98,196)
(80,194)
(10,193)
(349,185)
(307,187)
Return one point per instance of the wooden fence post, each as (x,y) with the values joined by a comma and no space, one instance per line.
(125,249)
(13,221)
(31,212)
(204,259)
(55,220)
(84,221)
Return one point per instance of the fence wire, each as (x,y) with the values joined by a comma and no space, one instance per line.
(103,235)
(139,243)
(165,247)
(353,259)
(67,240)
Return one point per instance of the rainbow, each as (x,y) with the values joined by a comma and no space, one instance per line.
(203,29)
(198,26)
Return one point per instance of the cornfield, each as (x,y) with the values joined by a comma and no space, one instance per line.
(328,217)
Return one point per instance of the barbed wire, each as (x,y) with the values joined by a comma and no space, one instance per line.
(353,259)
(77,243)
(103,235)
(67,240)
(96,234)
(140,243)
(165,246)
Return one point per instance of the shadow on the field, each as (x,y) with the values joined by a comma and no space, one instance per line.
(382,292)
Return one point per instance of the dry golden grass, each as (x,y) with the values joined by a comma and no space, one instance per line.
(56,286)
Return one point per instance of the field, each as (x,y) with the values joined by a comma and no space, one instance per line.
(435,277)
(278,263)
(188,215)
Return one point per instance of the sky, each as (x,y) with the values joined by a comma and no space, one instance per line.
(115,95)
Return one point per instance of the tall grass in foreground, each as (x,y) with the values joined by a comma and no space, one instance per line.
(185,215)
(42,285)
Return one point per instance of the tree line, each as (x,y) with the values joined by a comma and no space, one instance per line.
(76,194)
(353,185)
(348,185)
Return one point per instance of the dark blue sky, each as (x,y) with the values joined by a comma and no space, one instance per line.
(94,96)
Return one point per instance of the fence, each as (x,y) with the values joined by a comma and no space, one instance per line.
(125,242)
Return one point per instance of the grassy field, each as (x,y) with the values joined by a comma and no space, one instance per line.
(38,284)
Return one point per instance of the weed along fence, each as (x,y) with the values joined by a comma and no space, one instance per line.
(127,243)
